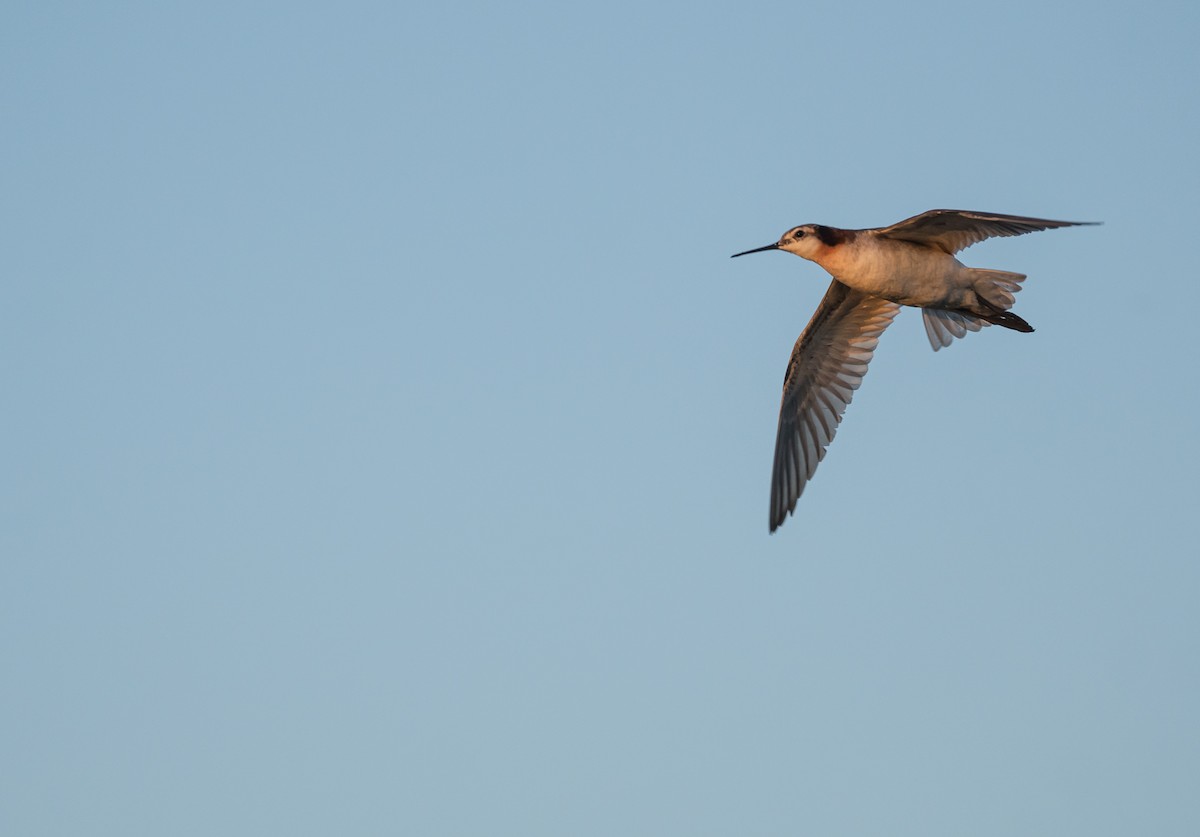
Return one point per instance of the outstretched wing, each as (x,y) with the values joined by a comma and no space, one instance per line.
(952,230)
(827,366)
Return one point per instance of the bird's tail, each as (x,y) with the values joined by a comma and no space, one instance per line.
(994,290)
(994,294)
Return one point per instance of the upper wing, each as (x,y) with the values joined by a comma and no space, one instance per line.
(827,365)
(952,230)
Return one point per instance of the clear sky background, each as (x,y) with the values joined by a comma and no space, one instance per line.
(388,432)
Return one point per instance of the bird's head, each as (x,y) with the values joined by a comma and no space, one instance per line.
(802,241)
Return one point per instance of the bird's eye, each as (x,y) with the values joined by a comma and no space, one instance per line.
(798,234)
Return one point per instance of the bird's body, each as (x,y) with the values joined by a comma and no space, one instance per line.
(899,271)
(875,271)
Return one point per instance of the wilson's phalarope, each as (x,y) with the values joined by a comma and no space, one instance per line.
(874,273)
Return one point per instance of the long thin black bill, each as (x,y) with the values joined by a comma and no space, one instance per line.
(756,250)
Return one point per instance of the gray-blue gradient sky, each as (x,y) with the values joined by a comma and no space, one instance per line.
(388,432)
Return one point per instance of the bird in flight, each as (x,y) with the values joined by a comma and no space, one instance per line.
(875,272)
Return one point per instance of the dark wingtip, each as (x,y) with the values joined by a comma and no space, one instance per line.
(1009,320)
(778,518)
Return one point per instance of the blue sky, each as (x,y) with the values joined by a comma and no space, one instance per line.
(389,433)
